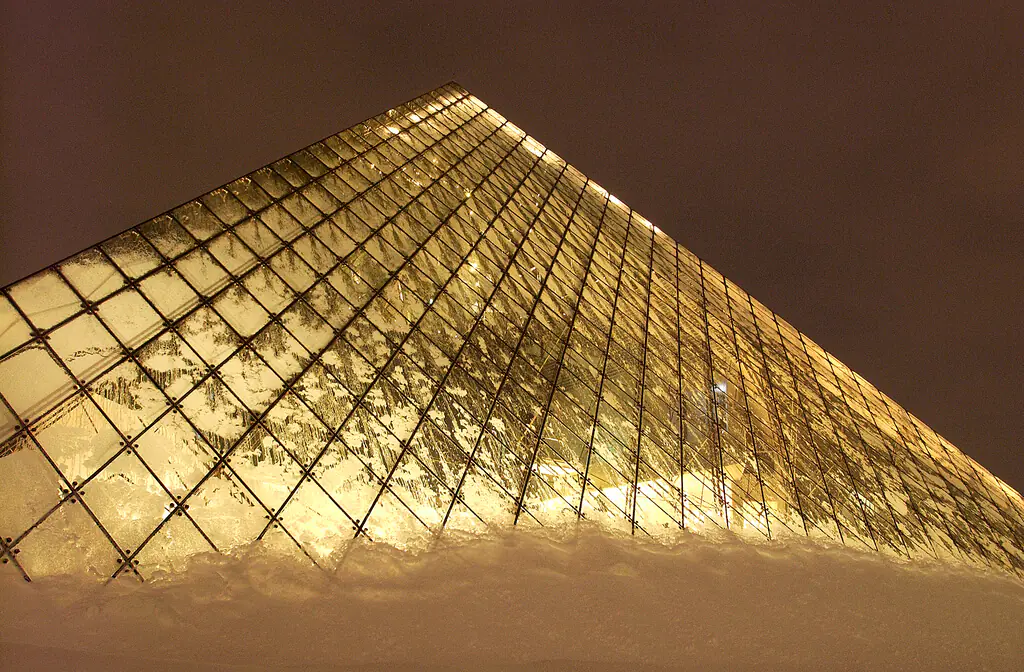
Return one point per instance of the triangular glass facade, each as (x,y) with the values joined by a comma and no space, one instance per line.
(430,323)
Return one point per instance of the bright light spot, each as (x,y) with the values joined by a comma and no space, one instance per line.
(415,118)
(554,470)
(535,147)
(394,130)
(514,130)
(614,199)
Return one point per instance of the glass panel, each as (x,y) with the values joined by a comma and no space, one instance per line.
(232,254)
(85,346)
(227,208)
(227,512)
(29,487)
(274,184)
(130,318)
(198,219)
(92,275)
(8,423)
(320,527)
(174,366)
(45,299)
(293,270)
(265,467)
(78,438)
(127,500)
(207,334)
(241,310)
(252,381)
(167,236)
(216,413)
(249,193)
(280,222)
(169,293)
(268,289)
(177,455)
(32,382)
(202,272)
(330,305)
(128,398)
(346,479)
(258,237)
(68,542)
(13,329)
(281,351)
(133,255)
(172,546)
(301,433)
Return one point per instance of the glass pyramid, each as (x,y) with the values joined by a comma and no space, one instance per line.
(430,324)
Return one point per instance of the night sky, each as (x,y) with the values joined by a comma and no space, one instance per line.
(859,171)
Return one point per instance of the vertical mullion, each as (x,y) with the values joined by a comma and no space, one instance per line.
(770,384)
(679,374)
(643,382)
(604,373)
(712,395)
(746,408)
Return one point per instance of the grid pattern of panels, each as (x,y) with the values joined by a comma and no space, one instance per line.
(430,322)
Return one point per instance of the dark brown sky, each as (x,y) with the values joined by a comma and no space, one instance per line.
(858,170)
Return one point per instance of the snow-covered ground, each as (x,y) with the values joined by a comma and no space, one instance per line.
(525,600)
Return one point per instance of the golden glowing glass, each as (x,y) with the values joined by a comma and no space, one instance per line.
(431,322)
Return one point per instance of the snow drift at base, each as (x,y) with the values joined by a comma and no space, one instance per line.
(580,599)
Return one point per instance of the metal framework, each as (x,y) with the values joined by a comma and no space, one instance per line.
(429,322)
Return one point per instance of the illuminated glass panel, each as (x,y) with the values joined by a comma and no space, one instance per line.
(430,322)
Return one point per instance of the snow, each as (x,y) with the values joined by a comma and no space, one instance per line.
(578,599)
